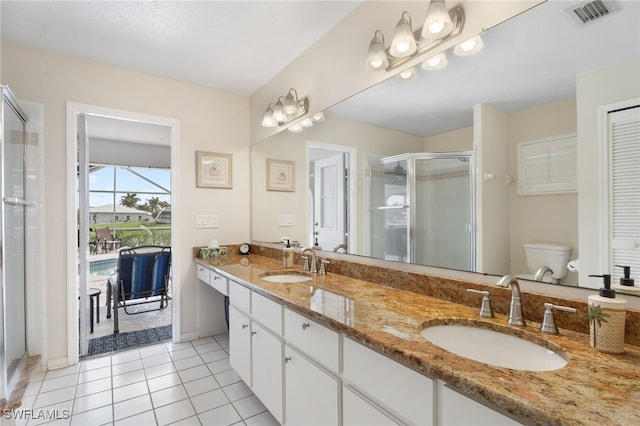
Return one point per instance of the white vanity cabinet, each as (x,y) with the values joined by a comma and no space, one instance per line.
(240,343)
(456,409)
(388,386)
(213,279)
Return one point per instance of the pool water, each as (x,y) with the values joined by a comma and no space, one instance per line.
(103,267)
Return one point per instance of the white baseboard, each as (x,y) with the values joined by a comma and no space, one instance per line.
(54,364)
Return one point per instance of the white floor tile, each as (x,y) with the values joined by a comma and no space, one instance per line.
(225,415)
(156,359)
(214,355)
(173,412)
(131,407)
(130,391)
(98,373)
(202,385)
(227,377)
(209,400)
(152,351)
(183,364)
(92,401)
(183,353)
(219,366)
(262,419)
(53,397)
(159,370)
(126,356)
(72,369)
(208,347)
(95,386)
(163,382)
(59,383)
(249,407)
(93,363)
(127,367)
(237,391)
(168,396)
(171,346)
(148,418)
(189,421)
(194,373)
(34,388)
(202,341)
(100,415)
(128,378)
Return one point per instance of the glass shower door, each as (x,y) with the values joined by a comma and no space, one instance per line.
(443,194)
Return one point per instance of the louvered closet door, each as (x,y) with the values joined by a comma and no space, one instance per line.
(624,137)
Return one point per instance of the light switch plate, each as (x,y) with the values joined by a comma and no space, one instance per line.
(206,221)
(287,220)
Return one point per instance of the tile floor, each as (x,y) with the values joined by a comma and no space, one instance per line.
(188,383)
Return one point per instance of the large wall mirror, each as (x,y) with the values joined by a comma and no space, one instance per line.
(415,158)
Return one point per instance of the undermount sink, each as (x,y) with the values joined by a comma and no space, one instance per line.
(286,278)
(493,347)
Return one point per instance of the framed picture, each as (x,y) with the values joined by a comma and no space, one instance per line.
(213,170)
(281,175)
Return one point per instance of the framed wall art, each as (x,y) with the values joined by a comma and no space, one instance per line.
(213,170)
(281,175)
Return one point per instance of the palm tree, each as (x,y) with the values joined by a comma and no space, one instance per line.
(154,206)
(596,316)
(130,200)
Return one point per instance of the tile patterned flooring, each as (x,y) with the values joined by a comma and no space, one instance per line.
(189,383)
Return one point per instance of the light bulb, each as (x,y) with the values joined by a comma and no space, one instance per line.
(435,62)
(376,56)
(296,128)
(278,112)
(407,75)
(437,23)
(290,106)
(306,122)
(403,42)
(469,47)
(267,120)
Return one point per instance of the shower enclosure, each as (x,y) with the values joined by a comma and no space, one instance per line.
(423,210)
(12,241)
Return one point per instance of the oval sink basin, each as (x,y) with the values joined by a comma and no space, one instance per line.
(493,347)
(286,278)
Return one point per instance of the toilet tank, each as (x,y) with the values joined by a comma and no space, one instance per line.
(553,255)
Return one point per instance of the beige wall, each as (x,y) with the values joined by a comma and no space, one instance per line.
(209,120)
(455,140)
(541,218)
(595,89)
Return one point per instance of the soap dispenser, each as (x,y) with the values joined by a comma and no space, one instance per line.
(626,280)
(607,316)
(287,255)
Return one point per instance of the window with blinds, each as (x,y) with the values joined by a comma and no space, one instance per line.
(547,166)
(624,190)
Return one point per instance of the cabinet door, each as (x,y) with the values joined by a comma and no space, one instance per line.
(267,369)
(358,412)
(240,344)
(311,394)
(457,409)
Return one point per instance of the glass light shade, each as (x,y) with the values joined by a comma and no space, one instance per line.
(319,116)
(296,128)
(267,120)
(435,62)
(437,23)
(376,56)
(290,106)
(403,43)
(307,122)
(278,112)
(407,75)
(469,47)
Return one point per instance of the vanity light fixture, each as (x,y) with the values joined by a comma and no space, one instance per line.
(440,25)
(436,62)
(438,22)
(469,47)
(286,109)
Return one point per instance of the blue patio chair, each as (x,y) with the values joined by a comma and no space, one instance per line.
(142,273)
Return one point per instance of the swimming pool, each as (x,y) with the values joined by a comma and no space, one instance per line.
(103,267)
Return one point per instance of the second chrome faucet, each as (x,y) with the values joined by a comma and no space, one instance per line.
(515,310)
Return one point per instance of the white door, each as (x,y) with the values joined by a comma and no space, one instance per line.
(83,229)
(329,203)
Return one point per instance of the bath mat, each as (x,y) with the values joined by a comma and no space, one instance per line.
(129,340)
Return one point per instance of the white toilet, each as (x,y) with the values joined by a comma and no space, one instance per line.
(553,255)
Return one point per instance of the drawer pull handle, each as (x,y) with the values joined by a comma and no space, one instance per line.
(254,333)
(287,359)
(245,326)
(305,325)
(216,278)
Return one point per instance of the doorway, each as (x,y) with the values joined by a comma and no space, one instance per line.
(134,150)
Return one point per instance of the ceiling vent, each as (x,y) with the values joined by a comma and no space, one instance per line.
(590,11)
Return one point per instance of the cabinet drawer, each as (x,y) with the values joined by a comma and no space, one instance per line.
(267,312)
(203,273)
(218,282)
(400,390)
(317,341)
(240,297)
(358,412)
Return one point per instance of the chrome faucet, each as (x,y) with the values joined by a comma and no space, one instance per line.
(515,310)
(541,272)
(340,246)
(313,267)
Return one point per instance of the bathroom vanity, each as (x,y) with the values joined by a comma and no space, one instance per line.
(338,350)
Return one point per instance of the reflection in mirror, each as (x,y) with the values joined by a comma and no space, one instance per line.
(518,89)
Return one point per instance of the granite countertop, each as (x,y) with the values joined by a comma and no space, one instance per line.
(594,388)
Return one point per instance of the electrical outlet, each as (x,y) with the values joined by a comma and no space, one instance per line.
(287,220)
(206,221)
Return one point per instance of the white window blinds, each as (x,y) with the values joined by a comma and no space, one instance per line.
(624,180)
(547,166)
